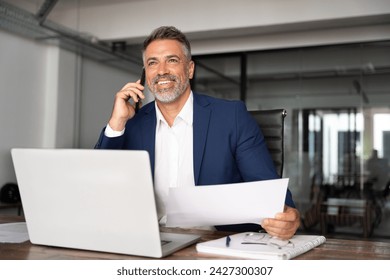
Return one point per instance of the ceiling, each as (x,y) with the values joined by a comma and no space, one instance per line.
(99,21)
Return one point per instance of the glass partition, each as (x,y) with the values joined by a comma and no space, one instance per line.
(218,76)
(337,130)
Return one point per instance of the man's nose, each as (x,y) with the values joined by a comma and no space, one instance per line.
(162,68)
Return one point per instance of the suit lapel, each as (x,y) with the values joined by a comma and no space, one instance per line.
(200,128)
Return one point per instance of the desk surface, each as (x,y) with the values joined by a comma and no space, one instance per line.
(333,249)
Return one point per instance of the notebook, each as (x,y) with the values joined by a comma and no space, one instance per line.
(100,200)
(262,246)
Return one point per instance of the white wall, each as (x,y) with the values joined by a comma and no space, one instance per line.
(51,98)
(67,91)
(99,85)
(23,93)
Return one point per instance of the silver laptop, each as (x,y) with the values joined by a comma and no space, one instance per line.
(101,200)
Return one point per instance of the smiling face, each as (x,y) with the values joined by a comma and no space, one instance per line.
(168,70)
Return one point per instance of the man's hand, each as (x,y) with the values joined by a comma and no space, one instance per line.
(123,110)
(284,225)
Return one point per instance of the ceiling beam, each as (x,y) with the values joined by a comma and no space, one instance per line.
(45,9)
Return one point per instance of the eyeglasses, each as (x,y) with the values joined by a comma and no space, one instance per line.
(265,239)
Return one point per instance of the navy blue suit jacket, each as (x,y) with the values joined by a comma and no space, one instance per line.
(228,145)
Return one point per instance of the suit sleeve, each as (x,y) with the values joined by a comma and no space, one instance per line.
(254,160)
(105,142)
(253,157)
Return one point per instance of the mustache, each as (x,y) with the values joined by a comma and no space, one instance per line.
(164,77)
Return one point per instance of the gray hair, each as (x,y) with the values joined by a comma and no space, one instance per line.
(168,33)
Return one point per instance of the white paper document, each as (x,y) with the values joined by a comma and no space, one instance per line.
(248,202)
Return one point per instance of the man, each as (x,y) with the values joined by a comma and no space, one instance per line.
(192,139)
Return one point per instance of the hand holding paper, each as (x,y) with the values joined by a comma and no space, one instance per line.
(284,225)
(248,202)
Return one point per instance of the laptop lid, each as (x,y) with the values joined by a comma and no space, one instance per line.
(101,200)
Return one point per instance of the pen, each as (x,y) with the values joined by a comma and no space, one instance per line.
(228,241)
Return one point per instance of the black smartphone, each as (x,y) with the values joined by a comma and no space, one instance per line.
(142,83)
(143,77)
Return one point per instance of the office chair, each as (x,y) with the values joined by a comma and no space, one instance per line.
(271,123)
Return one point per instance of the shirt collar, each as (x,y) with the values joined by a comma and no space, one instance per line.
(186,113)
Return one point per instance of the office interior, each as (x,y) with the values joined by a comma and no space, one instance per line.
(326,62)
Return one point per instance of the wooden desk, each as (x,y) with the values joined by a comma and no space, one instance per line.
(333,249)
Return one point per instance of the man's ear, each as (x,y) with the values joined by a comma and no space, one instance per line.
(191,69)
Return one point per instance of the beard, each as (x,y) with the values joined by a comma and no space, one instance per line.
(171,94)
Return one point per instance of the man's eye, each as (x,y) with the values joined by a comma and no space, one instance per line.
(151,63)
(173,60)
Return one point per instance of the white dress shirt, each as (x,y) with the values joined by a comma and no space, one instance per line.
(173,154)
